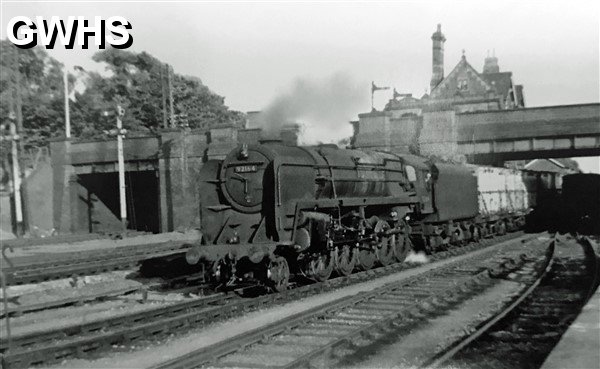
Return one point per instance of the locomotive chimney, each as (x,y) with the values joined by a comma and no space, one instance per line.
(438,58)
(289,134)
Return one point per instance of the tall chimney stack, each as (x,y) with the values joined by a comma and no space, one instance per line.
(438,57)
(490,64)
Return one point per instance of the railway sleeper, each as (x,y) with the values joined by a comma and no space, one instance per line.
(287,350)
(526,337)
(246,361)
(549,306)
(320,332)
(384,307)
(390,301)
(350,320)
(427,290)
(288,338)
(331,324)
(536,327)
(358,314)
(285,339)
(552,316)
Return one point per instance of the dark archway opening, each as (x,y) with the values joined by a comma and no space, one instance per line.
(142,190)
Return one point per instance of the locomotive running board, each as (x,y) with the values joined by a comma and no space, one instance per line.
(408,199)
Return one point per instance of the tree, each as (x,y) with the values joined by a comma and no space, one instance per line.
(41,86)
(136,82)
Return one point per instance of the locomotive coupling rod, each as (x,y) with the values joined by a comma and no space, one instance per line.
(391,232)
(394,231)
(375,237)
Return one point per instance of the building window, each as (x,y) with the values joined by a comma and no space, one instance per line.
(463,85)
(411,173)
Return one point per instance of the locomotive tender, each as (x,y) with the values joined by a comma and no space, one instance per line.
(580,203)
(270,210)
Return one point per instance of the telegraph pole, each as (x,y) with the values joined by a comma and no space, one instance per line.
(163,83)
(16,175)
(67,114)
(121,163)
(170,84)
(15,130)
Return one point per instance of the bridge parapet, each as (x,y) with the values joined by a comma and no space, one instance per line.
(544,132)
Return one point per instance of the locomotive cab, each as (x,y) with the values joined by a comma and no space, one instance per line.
(418,173)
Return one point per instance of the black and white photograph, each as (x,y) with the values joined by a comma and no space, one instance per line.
(300,184)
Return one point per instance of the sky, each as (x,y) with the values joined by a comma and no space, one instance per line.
(254,52)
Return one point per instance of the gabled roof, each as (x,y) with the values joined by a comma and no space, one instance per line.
(462,65)
(406,102)
(501,81)
(549,165)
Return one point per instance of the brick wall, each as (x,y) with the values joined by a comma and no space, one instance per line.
(439,134)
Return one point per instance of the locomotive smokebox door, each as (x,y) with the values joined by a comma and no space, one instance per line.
(243,174)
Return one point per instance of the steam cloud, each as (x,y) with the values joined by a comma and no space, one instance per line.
(416,258)
(322,107)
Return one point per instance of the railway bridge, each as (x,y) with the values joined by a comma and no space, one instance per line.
(493,137)
(488,137)
(160,174)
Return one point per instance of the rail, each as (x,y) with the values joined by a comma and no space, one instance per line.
(315,334)
(593,265)
(89,262)
(484,327)
(55,345)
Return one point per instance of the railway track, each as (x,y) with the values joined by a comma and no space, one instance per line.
(326,335)
(76,300)
(45,347)
(86,262)
(525,332)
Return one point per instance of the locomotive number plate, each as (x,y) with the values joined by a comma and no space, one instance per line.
(245,169)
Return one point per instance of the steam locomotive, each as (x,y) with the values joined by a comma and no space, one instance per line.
(270,211)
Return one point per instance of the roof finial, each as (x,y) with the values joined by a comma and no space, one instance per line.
(463,54)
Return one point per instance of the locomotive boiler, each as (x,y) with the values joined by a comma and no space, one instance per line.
(270,210)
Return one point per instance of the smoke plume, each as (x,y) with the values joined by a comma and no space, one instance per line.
(323,108)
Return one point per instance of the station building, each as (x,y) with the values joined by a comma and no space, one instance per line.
(428,125)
